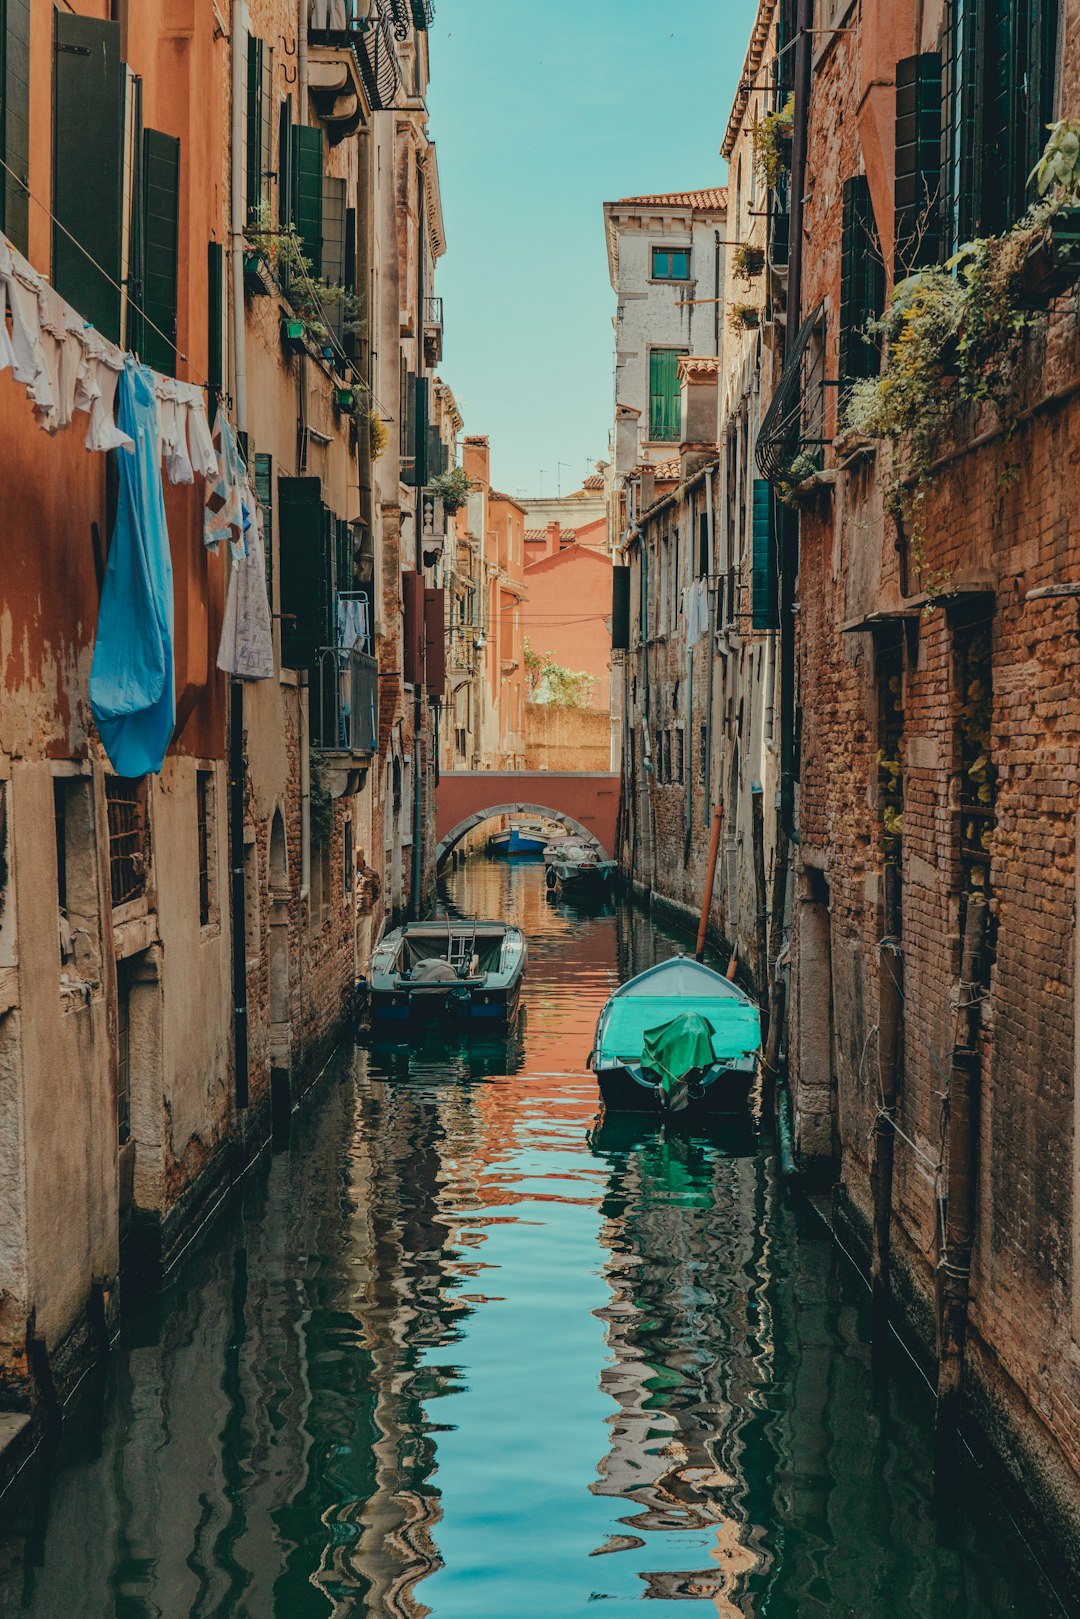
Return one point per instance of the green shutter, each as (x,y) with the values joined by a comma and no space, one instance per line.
(215,322)
(763,583)
(665,415)
(263,473)
(962,119)
(15,120)
(307,192)
(161,217)
(422,418)
(88,129)
(284,166)
(862,282)
(302,570)
(918,163)
(135,168)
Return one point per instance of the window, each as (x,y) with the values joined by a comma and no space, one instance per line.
(15,119)
(129,837)
(889,668)
(123,1053)
(260,111)
(918,163)
(347,873)
(76,873)
(703,755)
(862,283)
(665,403)
(264,494)
(1000,64)
(680,756)
(88,178)
(204,809)
(671,264)
(764,614)
(972,622)
(306,191)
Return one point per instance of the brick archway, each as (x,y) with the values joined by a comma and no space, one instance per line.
(585,803)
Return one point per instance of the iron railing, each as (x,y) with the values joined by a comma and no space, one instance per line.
(665,432)
(129,837)
(344,701)
(366,30)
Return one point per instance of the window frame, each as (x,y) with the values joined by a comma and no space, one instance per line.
(669,253)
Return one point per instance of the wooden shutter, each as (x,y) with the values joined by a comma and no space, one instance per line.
(664,399)
(343,556)
(307,192)
(435,642)
(862,282)
(263,472)
(88,129)
(763,583)
(301,569)
(284,166)
(962,121)
(412,609)
(15,120)
(620,609)
(420,470)
(409,429)
(260,111)
(215,322)
(918,163)
(161,214)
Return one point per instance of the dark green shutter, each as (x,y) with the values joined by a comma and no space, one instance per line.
(15,120)
(88,129)
(862,282)
(307,192)
(260,109)
(263,471)
(422,417)
(665,422)
(284,167)
(215,322)
(918,163)
(161,222)
(135,159)
(301,568)
(343,564)
(763,583)
(962,119)
(408,426)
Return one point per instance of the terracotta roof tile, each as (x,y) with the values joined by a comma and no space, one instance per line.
(712,198)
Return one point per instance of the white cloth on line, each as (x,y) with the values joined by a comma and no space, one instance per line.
(247,640)
(200,440)
(172,429)
(95,391)
(697,612)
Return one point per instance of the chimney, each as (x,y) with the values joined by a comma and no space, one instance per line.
(699,379)
(476,459)
(551,542)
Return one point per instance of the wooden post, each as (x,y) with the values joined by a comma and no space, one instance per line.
(710,879)
(957,1240)
(890,1014)
(761,914)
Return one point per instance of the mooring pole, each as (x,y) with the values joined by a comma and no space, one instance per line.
(890,1012)
(710,879)
(761,915)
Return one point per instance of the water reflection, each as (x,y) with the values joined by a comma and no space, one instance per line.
(462,1352)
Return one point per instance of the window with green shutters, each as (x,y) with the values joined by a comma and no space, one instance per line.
(215,323)
(999,72)
(304,565)
(87,198)
(763,608)
(333,249)
(260,114)
(161,206)
(263,472)
(862,282)
(307,192)
(918,163)
(665,403)
(15,120)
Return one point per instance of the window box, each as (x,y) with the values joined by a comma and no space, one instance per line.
(258,277)
(293,335)
(1053,262)
(344,399)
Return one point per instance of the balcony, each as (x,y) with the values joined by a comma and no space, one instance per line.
(361,29)
(433,330)
(411,14)
(344,701)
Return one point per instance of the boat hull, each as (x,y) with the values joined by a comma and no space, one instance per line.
(399,1005)
(728,1094)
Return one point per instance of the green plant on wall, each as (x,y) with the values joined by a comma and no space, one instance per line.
(955,335)
(748,261)
(553,684)
(770,138)
(320,803)
(312,298)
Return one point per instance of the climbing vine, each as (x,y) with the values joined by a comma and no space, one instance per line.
(552,683)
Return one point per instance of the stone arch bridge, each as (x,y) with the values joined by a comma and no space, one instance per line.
(584,801)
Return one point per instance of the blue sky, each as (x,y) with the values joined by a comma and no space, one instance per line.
(542,110)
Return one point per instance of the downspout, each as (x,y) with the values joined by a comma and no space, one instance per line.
(709,660)
(237,763)
(716,324)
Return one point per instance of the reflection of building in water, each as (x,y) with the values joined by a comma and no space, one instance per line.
(689,1328)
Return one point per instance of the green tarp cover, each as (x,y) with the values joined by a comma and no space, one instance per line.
(678,1046)
(734,1023)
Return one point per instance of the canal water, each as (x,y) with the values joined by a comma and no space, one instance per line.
(459,1352)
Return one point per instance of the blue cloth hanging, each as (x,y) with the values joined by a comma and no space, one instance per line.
(132,691)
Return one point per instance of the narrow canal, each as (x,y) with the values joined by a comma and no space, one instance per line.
(455,1353)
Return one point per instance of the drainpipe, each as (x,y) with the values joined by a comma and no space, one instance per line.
(709,665)
(239,112)
(237,761)
(716,319)
(644,795)
(302,62)
(304,695)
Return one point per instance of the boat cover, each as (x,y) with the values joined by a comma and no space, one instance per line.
(674,1049)
(734,1024)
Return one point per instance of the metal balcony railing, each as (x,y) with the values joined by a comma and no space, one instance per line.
(433,317)
(344,701)
(364,27)
(411,14)
(664,432)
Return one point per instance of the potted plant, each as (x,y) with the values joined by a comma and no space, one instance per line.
(1052,262)
(292,333)
(771,141)
(744,317)
(749,261)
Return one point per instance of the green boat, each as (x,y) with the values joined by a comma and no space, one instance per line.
(677,1039)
